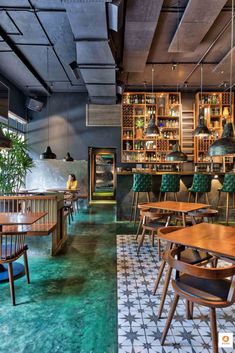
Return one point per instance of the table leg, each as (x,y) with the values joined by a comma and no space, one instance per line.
(184,219)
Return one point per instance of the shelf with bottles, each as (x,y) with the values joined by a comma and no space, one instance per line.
(164,106)
(216,109)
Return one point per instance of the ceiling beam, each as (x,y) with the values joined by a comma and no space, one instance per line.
(225,61)
(24,60)
(195,23)
(140,25)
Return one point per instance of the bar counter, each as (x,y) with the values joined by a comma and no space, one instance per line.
(124,190)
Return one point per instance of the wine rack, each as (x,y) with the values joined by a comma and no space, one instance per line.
(137,107)
(216,107)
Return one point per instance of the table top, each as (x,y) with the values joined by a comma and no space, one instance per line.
(177,206)
(20,218)
(211,237)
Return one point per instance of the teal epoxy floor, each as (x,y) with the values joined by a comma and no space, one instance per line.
(70,305)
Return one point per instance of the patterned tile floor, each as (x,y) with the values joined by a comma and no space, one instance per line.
(139,330)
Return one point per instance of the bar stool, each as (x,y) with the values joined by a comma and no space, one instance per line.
(201,184)
(228,187)
(169,183)
(141,183)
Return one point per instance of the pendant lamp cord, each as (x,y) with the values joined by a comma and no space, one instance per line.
(48,101)
(231,62)
(152,76)
(201,81)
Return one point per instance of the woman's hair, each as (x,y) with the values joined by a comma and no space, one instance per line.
(73,177)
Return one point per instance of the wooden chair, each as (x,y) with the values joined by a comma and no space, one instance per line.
(209,287)
(12,246)
(152,220)
(193,257)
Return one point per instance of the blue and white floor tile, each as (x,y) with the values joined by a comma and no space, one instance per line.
(139,329)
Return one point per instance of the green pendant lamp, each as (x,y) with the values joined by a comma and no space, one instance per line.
(201,130)
(176,155)
(152,129)
(68,158)
(225,146)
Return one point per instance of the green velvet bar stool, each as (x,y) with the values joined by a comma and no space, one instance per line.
(201,185)
(228,187)
(141,183)
(169,183)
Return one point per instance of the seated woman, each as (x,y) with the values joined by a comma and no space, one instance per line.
(72,183)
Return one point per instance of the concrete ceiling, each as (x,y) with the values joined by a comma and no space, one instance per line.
(160,33)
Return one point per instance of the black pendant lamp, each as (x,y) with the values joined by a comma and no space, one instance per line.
(68,158)
(225,146)
(201,130)
(176,155)
(48,154)
(152,129)
(5,142)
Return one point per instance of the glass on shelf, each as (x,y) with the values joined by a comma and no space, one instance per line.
(161,104)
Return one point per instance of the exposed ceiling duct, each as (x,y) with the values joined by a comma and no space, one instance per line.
(141,22)
(95,55)
(197,19)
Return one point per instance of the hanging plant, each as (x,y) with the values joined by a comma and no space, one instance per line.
(14,164)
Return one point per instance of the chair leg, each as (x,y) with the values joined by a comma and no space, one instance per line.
(159,276)
(188,311)
(164,291)
(214,333)
(148,196)
(176,197)
(169,319)
(189,196)
(139,227)
(196,197)
(159,249)
(132,205)
(135,207)
(11,281)
(160,196)
(26,266)
(141,241)
(227,208)
(165,196)
(218,199)
(207,198)
(152,237)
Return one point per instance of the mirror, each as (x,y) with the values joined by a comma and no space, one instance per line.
(4,97)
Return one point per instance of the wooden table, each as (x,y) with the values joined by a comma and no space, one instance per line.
(7,219)
(72,191)
(214,238)
(176,206)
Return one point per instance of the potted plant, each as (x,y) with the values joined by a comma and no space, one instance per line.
(14,164)
(139,124)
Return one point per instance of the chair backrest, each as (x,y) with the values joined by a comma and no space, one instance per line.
(201,183)
(167,230)
(12,246)
(201,272)
(142,182)
(229,183)
(170,183)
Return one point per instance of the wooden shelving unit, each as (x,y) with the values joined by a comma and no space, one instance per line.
(215,105)
(136,110)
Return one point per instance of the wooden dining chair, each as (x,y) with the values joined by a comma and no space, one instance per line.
(191,256)
(12,246)
(209,287)
(152,220)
